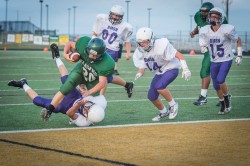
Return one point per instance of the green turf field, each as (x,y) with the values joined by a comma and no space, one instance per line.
(18,113)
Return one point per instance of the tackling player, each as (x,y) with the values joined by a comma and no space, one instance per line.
(73,104)
(95,66)
(111,79)
(219,38)
(163,60)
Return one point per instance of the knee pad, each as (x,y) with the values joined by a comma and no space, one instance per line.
(216,85)
(152,94)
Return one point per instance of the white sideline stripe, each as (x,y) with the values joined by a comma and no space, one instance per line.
(128,125)
(115,101)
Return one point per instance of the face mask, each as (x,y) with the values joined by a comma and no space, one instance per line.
(213,23)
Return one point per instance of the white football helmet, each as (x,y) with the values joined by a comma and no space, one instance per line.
(81,121)
(142,35)
(96,113)
(118,11)
(217,11)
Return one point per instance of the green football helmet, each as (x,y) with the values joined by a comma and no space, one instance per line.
(96,47)
(205,8)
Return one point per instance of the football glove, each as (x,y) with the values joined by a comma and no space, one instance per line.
(186,74)
(238,60)
(138,75)
(203,50)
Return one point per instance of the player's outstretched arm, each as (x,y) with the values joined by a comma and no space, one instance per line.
(186,74)
(238,59)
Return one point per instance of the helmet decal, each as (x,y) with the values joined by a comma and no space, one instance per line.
(145,35)
(97,48)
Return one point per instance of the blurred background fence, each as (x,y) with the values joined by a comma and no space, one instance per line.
(25,35)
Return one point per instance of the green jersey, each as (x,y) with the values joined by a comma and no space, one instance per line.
(87,71)
(200,23)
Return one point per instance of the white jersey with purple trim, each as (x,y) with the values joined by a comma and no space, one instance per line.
(159,59)
(99,100)
(219,43)
(113,35)
(82,121)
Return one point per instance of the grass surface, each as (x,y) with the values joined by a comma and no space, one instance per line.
(18,113)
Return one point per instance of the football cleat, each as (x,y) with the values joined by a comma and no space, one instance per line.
(18,83)
(227,100)
(129,89)
(201,101)
(229,96)
(160,116)
(222,108)
(55,51)
(45,114)
(173,111)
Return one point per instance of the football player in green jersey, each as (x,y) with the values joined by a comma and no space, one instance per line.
(95,66)
(201,20)
(111,79)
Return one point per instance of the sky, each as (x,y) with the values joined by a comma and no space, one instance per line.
(166,16)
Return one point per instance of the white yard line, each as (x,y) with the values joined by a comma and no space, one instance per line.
(128,125)
(130,100)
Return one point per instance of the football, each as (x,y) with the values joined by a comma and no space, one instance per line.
(74,56)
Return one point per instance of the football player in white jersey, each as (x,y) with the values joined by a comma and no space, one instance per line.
(219,38)
(163,60)
(113,30)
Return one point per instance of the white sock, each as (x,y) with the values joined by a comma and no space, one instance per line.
(204,92)
(26,87)
(164,110)
(225,95)
(171,103)
(59,62)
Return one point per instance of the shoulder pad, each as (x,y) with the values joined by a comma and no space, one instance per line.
(160,45)
(101,16)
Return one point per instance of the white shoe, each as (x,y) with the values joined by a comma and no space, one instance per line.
(221,113)
(160,116)
(227,110)
(173,111)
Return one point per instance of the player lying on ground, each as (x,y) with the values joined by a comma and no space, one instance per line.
(82,111)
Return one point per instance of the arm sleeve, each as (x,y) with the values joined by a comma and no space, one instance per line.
(97,24)
(138,59)
(128,33)
(169,52)
(197,17)
(202,38)
(233,34)
(165,48)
